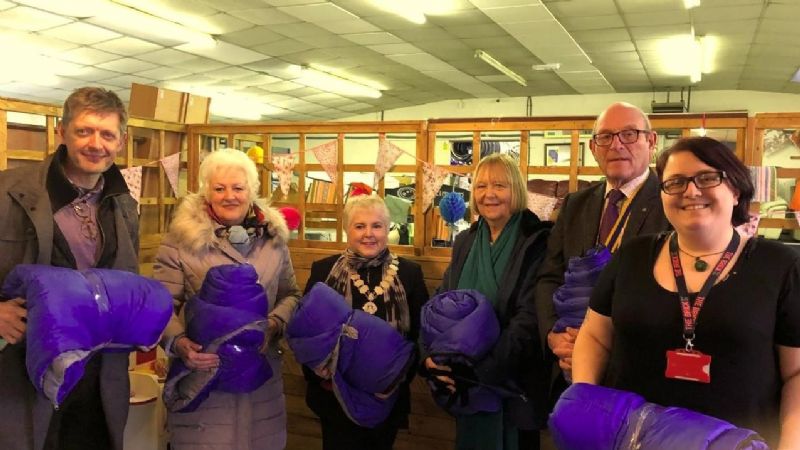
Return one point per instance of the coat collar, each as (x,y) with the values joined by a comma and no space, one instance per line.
(62,192)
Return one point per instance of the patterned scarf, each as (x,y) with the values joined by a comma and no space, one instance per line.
(241,236)
(394,298)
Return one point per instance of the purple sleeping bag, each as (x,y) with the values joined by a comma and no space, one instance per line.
(458,328)
(365,354)
(72,315)
(589,417)
(571,299)
(227,317)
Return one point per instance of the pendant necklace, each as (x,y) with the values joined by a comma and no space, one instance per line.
(699,264)
(371,295)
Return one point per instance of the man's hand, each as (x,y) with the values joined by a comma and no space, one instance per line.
(562,345)
(190,353)
(451,384)
(12,320)
(273,328)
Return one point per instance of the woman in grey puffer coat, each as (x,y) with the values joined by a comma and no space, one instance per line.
(225,224)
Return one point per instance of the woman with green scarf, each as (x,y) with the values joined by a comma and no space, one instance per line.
(499,256)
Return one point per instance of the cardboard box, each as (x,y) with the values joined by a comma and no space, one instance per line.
(196,109)
(150,102)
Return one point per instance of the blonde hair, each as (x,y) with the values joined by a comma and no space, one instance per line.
(509,169)
(371,202)
(226,159)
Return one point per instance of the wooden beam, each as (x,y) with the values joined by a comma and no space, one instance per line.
(3,140)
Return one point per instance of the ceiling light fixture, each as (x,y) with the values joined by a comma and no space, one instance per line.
(328,82)
(488,59)
(409,10)
(689,4)
(545,67)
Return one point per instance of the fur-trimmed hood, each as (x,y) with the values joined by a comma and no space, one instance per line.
(192,226)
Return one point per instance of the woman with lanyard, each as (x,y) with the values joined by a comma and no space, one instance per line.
(499,256)
(704,317)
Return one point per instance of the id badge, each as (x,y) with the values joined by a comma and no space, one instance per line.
(691,366)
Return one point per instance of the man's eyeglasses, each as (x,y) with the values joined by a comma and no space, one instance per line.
(88,225)
(704,180)
(625,136)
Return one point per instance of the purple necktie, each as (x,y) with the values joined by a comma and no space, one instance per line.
(611,214)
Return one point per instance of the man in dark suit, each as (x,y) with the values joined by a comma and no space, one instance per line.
(623,144)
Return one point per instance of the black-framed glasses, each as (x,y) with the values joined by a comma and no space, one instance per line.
(625,136)
(703,180)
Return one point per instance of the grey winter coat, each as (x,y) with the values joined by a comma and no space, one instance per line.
(26,237)
(256,420)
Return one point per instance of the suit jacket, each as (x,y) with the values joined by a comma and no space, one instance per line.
(576,230)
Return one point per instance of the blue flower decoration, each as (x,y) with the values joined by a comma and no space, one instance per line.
(452,207)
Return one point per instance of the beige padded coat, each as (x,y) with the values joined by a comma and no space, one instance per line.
(252,421)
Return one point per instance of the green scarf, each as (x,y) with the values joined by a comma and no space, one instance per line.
(486,262)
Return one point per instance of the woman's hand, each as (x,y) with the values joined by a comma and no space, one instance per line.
(190,353)
(449,382)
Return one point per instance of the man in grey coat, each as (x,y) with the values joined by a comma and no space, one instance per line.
(72,210)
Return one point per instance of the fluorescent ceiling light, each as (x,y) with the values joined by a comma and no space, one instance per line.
(689,4)
(687,55)
(121,18)
(337,84)
(487,58)
(545,67)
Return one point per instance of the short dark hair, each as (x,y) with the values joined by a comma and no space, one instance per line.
(719,156)
(96,100)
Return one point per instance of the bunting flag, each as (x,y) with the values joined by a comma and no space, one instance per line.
(751,227)
(388,153)
(133,177)
(172,166)
(433,177)
(284,164)
(326,155)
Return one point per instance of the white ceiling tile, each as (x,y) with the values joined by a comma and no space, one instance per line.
(124,81)
(87,55)
(421,61)
(127,65)
(30,19)
(193,80)
(376,38)
(282,47)
(349,26)
(128,46)
(263,16)
(229,73)
(93,74)
(4,4)
(394,49)
(163,73)
(252,36)
(282,86)
(199,65)
(215,24)
(225,52)
(81,33)
(166,56)
(318,12)
(257,80)
(530,12)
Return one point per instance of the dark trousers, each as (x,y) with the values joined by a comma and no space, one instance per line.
(80,422)
(339,433)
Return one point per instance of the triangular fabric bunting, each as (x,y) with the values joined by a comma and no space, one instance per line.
(172,167)
(284,164)
(326,155)
(133,177)
(433,177)
(387,155)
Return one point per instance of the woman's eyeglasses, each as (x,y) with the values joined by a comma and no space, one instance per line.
(88,226)
(704,180)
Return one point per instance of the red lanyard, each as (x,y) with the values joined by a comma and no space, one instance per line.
(689,311)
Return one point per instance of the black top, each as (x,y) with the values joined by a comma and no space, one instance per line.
(756,307)
(321,399)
